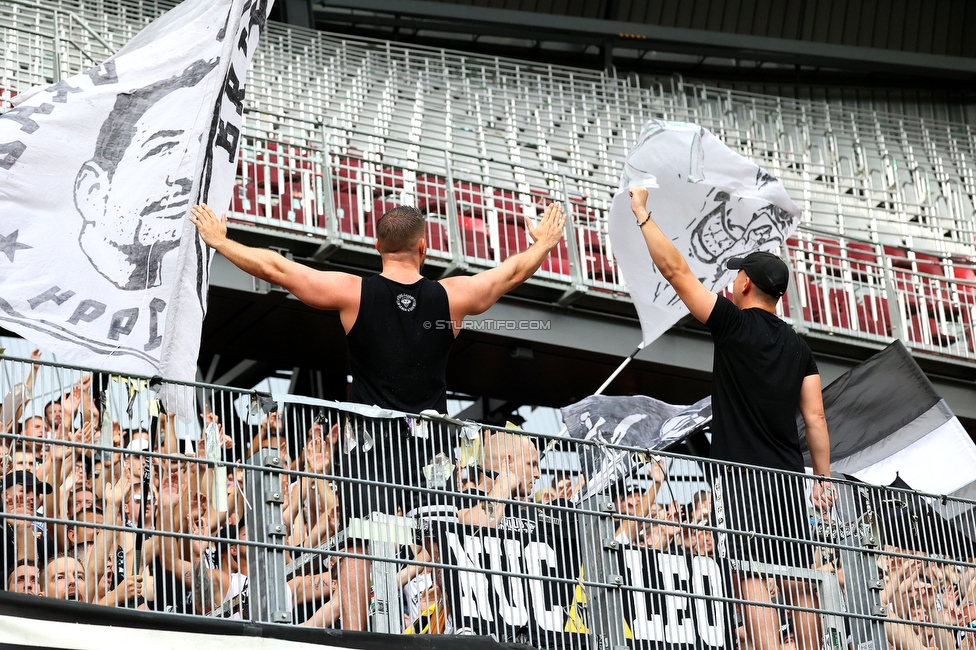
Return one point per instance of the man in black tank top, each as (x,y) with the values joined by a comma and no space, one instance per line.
(763,373)
(399,324)
(400,327)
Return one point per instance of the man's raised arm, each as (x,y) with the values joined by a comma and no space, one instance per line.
(470,295)
(319,289)
(670,262)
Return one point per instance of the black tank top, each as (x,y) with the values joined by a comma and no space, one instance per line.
(399,344)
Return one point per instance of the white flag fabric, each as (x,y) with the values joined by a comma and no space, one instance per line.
(710,201)
(99,263)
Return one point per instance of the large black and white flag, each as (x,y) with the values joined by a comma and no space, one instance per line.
(710,201)
(98,261)
(627,421)
(886,421)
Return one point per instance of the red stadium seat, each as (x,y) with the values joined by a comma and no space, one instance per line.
(928,331)
(245,199)
(348,172)
(437,236)
(580,213)
(347,211)
(865,265)
(839,309)
(596,264)
(474,238)
(470,199)
(431,194)
(389,179)
(873,316)
(508,207)
(511,240)
(929,264)
(827,257)
(558,260)
(291,205)
(899,257)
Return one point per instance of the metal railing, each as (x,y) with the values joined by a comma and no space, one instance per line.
(293,510)
(340,129)
(893,178)
(841,286)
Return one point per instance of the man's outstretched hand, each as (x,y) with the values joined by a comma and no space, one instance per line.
(212,229)
(550,229)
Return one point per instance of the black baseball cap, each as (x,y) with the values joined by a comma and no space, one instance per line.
(28,480)
(767,271)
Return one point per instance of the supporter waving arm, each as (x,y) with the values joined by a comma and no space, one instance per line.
(470,295)
(319,289)
(670,262)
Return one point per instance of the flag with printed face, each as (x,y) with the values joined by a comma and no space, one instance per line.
(98,261)
(712,203)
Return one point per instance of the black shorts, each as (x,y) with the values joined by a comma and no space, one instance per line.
(757,503)
(387,453)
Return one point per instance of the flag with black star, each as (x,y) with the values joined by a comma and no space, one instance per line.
(99,263)
(9,245)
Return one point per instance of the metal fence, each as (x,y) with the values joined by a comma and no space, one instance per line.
(339,129)
(293,510)
(841,285)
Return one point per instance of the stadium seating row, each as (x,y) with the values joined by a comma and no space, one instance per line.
(342,128)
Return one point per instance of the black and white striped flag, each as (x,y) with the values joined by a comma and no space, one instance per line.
(886,421)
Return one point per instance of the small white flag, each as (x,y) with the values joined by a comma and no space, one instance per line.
(712,203)
(98,261)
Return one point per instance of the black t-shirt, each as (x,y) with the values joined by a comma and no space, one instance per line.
(399,345)
(759,366)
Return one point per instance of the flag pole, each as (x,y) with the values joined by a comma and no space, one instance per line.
(599,391)
(620,369)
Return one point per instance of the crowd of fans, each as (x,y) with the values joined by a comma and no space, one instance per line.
(138,520)
(135,517)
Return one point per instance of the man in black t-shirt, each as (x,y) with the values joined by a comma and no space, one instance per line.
(763,372)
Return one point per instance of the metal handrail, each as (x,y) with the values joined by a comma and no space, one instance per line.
(587,539)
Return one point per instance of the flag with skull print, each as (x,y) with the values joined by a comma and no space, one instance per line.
(712,203)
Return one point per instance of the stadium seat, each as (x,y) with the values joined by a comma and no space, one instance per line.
(928,264)
(508,207)
(244,200)
(581,213)
(291,205)
(347,211)
(470,200)
(558,260)
(596,264)
(839,309)
(512,239)
(347,172)
(872,314)
(437,239)
(928,331)
(389,179)
(827,256)
(865,265)
(899,257)
(431,194)
(474,238)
